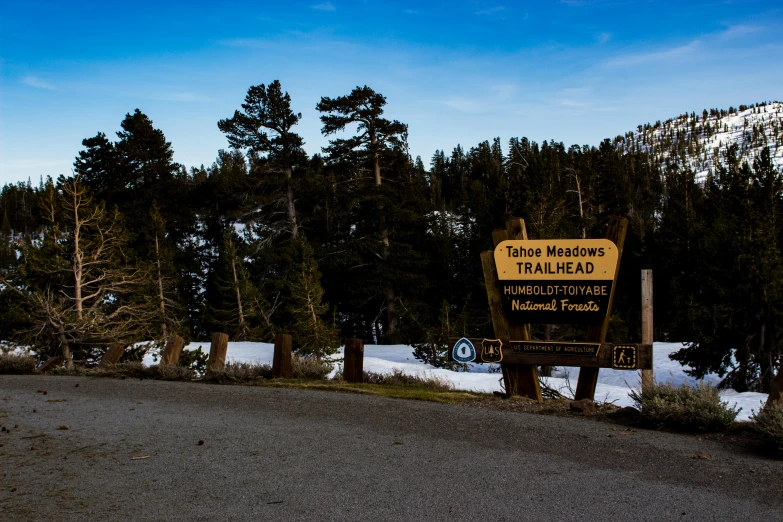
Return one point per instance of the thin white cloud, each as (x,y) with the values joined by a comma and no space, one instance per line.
(504,91)
(585,105)
(324,6)
(580,2)
(734,31)
(38,83)
(603,37)
(253,43)
(464,105)
(491,97)
(411,11)
(491,10)
(632,59)
(574,91)
(582,98)
(188,97)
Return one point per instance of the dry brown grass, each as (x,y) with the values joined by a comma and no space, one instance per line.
(310,368)
(238,372)
(16,365)
(397,378)
(131,370)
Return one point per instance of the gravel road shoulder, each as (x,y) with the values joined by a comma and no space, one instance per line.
(153,450)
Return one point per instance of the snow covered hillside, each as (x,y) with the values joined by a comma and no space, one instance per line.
(700,141)
(613,385)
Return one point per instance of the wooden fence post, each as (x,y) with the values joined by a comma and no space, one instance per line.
(776,389)
(647,321)
(172,351)
(353,368)
(282,365)
(518,379)
(112,355)
(217,352)
(51,363)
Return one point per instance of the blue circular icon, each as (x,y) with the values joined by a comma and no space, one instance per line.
(464,351)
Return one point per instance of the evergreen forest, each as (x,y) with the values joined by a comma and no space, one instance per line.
(364,241)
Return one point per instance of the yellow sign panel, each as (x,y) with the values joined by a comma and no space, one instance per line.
(556,259)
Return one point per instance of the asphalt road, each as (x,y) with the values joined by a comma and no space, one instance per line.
(285,454)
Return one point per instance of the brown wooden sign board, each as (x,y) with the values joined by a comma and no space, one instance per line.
(565,281)
(593,355)
(558,267)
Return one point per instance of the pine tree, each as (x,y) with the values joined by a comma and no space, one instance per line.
(312,334)
(377,138)
(376,135)
(739,286)
(236,305)
(164,277)
(7,255)
(99,169)
(264,128)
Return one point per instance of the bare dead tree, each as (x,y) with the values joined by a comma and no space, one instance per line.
(572,173)
(98,306)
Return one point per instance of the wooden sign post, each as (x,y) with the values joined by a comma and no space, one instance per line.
(217,352)
(588,377)
(282,361)
(551,282)
(353,367)
(647,321)
(521,379)
(172,351)
(112,355)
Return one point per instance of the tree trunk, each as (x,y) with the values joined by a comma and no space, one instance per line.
(239,296)
(290,209)
(66,348)
(161,300)
(78,266)
(391,310)
(581,207)
(776,388)
(546,371)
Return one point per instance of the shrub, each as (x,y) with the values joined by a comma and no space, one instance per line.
(397,378)
(16,365)
(76,371)
(436,354)
(131,369)
(136,352)
(768,423)
(239,372)
(310,368)
(166,372)
(194,359)
(696,409)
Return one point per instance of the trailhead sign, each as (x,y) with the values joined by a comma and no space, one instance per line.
(556,281)
(551,281)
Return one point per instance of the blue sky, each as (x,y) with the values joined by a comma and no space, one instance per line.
(575,71)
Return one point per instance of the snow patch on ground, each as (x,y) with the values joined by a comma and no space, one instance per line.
(613,385)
